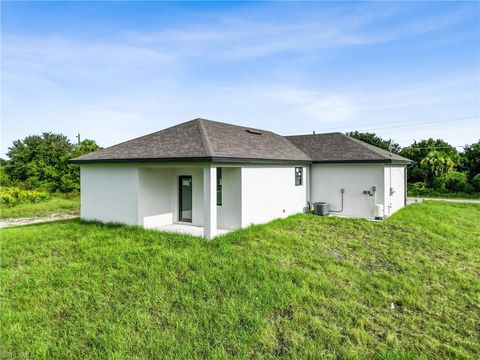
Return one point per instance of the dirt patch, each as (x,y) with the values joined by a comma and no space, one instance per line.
(33,220)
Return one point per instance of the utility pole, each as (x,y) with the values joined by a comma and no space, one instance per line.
(78,138)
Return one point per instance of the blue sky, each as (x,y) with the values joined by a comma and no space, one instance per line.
(116,70)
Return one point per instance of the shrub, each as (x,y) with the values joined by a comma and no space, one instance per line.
(439,182)
(476,182)
(13,196)
(419,187)
(4,178)
(457,181)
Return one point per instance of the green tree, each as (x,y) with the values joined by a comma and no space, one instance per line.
(70,180)
(374,139)
(85,147)
(471,159)
(457,181)
(437,165)
(476,182)
(4,178)
(419,150)
(41,161)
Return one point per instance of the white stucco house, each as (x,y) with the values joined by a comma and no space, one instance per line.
(216,177)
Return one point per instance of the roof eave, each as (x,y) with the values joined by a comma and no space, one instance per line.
(139,160)
(364,161)
(215,159)
(259,161)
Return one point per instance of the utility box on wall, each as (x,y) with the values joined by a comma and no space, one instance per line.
(365,186)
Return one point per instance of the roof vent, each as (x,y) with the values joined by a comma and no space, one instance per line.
(256,132)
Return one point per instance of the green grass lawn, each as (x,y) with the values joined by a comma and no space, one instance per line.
(54,205)
(301,287)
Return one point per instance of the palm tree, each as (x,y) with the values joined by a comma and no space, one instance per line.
(437,163)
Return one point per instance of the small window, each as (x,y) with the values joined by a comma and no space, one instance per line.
(219,186)
(298,176)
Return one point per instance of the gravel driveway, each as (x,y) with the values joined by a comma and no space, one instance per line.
(33,220)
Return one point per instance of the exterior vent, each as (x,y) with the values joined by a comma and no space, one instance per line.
(256,132)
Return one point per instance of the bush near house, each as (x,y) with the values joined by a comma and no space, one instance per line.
(301,287)
(457,181)
(421,189)
(14,196)
(16,203)
(453,184)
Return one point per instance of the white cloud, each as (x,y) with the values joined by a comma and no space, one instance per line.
(322,108)
(116,88)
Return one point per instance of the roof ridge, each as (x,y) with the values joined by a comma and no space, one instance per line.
(234,125)
(366,146)
(204,136)
(316,134)
(295,146)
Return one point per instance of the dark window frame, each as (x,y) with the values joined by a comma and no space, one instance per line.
(298,176)
(219,187)
(180,180)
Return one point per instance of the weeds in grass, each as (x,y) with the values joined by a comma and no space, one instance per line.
(300,287)
(53,205)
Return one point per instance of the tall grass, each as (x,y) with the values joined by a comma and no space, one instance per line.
(55,204)
(301,287)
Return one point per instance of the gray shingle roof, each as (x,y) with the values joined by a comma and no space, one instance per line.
(207,140)
(201,140)
(338,147)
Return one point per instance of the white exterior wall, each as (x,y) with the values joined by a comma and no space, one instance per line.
(395,180)
(137,195)
(109,193)
(156,197)
(148,195)
(328,179)
(251,194)
(269,192)
(229,215)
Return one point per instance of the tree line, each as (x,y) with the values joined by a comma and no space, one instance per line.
(438,165)
(42,162)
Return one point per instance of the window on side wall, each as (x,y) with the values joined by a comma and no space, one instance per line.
(219,186)
(298,176)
